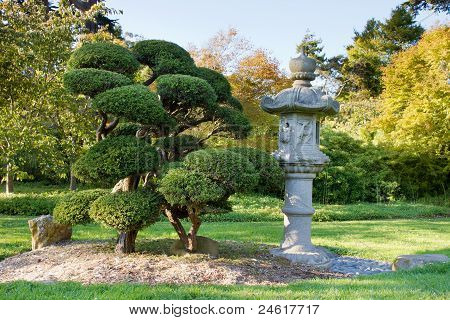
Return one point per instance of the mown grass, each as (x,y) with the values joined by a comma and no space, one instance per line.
(430,282)
(382,240)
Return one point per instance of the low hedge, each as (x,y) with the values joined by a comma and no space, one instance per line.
(28,205)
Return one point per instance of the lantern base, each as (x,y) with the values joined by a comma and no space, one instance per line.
(311,255)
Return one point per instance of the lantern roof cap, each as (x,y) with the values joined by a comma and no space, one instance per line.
(302,97)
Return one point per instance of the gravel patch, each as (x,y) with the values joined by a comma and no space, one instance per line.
(352,266)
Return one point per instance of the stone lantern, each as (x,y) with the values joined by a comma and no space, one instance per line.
(300,109)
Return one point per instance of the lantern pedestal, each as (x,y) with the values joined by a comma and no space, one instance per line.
(296,245)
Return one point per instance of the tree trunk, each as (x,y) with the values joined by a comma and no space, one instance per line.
(178,228)
(73,182)
(9,180)
(126,242)
(192,236)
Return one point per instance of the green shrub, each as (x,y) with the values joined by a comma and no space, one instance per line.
(178,90)
(235,103)
(126,211)
(73,208)
(217,81)
(356,172)
(164,57)
(106,56)
(136,103)
(91,82)
(189,188)
(230,170)
(27,205)
(115,158)
(271,175)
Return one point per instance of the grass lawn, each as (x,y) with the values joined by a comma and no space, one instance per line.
(382,239)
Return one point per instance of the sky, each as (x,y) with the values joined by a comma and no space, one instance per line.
(275,25)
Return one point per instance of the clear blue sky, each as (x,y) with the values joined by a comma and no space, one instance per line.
(276,25)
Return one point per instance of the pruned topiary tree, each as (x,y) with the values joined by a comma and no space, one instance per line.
(145,126)
(204,176)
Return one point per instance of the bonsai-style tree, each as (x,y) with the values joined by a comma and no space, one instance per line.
(143,126)
(204,176)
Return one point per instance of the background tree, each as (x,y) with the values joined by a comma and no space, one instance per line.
(222,52)
(257,75)
(414,106)
(312,47)
(31,66)
(435,5)
(373,48)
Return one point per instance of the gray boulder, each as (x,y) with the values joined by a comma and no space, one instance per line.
(44,232)
(406,262)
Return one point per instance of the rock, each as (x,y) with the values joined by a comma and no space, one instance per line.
(45,232)
(417,260)
(204,246)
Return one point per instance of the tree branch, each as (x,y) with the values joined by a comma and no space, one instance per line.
(102,126)
(152,79)
(111,126)
(178,227)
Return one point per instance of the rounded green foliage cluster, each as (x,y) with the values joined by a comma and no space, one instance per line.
(234,122)
(91,82)
(234,103)
(217,81)
(115,158)
(126,211)
(73,208)
(136,103)
(189,188)
(164,57)
(230,170)
(185,91)
(106,56)
(271,175)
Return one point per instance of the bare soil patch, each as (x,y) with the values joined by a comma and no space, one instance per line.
(95,262)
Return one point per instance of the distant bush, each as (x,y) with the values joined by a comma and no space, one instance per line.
(73,208)
(27,205)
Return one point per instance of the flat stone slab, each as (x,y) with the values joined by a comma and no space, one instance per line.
(311,256)
(204,246)
(409,261)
